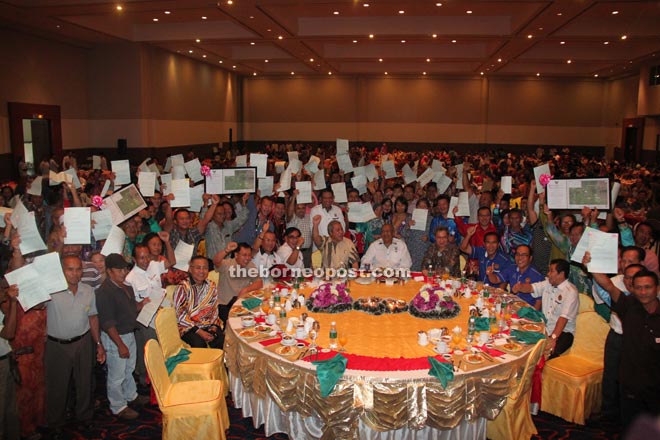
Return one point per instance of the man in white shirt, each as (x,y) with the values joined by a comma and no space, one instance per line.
(328,211)
(560,305)
(144,278)
(388,251)
(290,252)
(264,256)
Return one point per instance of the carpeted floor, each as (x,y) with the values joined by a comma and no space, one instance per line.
(107,426)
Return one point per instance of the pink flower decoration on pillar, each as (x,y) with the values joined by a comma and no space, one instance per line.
(544,179)
(205,170)
(97,201)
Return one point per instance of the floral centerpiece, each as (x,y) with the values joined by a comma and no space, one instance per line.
(433,302)
(330,298)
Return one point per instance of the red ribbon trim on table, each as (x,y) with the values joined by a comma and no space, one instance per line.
(370,363)
(491,351)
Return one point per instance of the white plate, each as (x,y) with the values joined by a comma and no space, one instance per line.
(288,342)
(364,281)
(440,352)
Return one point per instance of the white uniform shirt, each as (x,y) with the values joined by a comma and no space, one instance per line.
(326,217)
(557,302)
(285,251)
(395,256)
(4,344)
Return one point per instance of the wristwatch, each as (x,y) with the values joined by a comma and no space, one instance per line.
(553,336)
(297,248)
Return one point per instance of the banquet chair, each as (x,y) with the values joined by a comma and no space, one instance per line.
(169,293)
(214,276)
(191,410)
(515,420)
(586,303)
(572,381)
(202,364)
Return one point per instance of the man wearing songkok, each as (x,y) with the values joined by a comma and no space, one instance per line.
(519,277)
(73,339)
(337,251)
(491,260)
(328,211)
(118,310)
(290,253)
(196,307)
(388,251)
(9,425)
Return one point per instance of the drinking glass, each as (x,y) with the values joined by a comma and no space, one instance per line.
(265,307)
(342,339)
(456,338)
(314,333)
(469,339)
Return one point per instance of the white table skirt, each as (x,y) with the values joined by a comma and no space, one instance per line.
(266,412)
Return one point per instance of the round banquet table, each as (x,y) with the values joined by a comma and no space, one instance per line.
(385,392)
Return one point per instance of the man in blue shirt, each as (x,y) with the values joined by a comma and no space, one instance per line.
(490,258)
(441,219)
(520,277)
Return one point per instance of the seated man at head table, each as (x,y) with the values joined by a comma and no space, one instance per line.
(442,255)
(518,277)
(196,305)
(491,260)
(337,251)
(388,251)
(237,276)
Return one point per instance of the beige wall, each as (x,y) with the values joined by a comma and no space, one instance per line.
(649,96)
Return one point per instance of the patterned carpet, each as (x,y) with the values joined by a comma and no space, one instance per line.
(148,426)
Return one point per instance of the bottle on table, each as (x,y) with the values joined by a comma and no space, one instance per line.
(333,336)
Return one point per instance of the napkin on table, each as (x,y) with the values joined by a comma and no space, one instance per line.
(527,337)
(482,324)
(531,314)
(443,371)
(329,372)
(251,303)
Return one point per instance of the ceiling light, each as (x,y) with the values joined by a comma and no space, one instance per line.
(204,17)
(428,60)
(329,73)
(468,12)
(386,73)
(615,12)
(203,56)
(435,35)
(190,51)
(569,61)
(220,62)
(529,36)
(58,26)
(265,61)
(595,75)
(311,60)
(167,12)
(252,16)
(540,28)
(119,7)
(623,37)
(402,12)
(366,5)
(268,30)
(453,41)
(562,42)
(423,73)
(499,60)
(154,19)
(481,73)
(403,41)
(606,42)
(230,2)
(197,40)
(559,14)
(336,12)
(233,67)
(251,43)
(438,4)
(293,73)
(254,73)
(538,74)
(380,60)
(279,37)
(354,41)
(371,35)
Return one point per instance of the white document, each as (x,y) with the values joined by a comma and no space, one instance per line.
(96,162)
(26,225)
(196,199)
(339,190)
(292,155)
(214,182)
(183,252)
(285,180)
(143,165)
(261,162)
(178,172)
(149,309)
(50,272)
(614,193)
(459,176)
(313,165)
(241,161)
(360,183)
(106,187)
(193,168)
(360,212)
(102,224)
(603,247)
(420,216)
(55,179)
(31,290)
(452,203)
(342,146)
(319,180)
(556,194)
(388,167)
(73,178)
(122,170)
(35,187)
(280,166)
(78,225)
(114,243)
(426,176)
(359,171)
(506,184)
(166,184)
(582,246)
(124,204)
(154,169)
(168,165)
(4,211)
(265,185)
(538,171)
(370,172)
(344,163)
(181,191)
(463,205)
(295,166)
(443,183)
(304,192)
(177,160)
(409,175)
(147,183)
(437,166)
(578,193)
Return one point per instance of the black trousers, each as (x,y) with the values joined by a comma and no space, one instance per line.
(223,310)
(197,341)
(564,342)
(610,388)
(634,404)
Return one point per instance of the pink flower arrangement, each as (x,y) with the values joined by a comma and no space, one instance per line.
(544,179)
(329,294)
(97,201)
(205,170)
(427,298)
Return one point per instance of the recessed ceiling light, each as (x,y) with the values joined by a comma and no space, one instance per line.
(354,41)
(203,56)
(380,60)
(197,40)
(559,14)
(606,42)
(293,73)
(453,41)
(167,12)
(403,41)
(220,62)
(540,28)
(386,73)
(154,19)
(268,30)
(311,60)
(423,73)
(252,16)
(435,35)
(428,60)
(204,17)
(468,12)
(233,67)
(265,61)
(562,42)
(190,51)
(569,61)
(254,73)
(279,37)
(438,4)
(58,26)
(371,35)
(615,12)
(529,36)
(230,2)
(538,74)
(595,75)
(329,73)
(623,37)
(402,12)
(251,43)
(366,5)
(119,7)
(481,73)
(336,12)
(499,60)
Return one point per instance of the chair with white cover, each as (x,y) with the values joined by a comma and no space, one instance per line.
(203,363)
(572,382)
(191,410)
(515,420)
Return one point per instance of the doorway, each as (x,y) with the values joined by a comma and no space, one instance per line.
(35,134)
(632,139)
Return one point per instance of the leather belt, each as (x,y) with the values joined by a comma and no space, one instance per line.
(67,341)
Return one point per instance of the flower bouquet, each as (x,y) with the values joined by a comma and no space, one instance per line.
(330,298)
(431,302)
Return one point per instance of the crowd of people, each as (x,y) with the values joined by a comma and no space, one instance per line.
(509,240)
